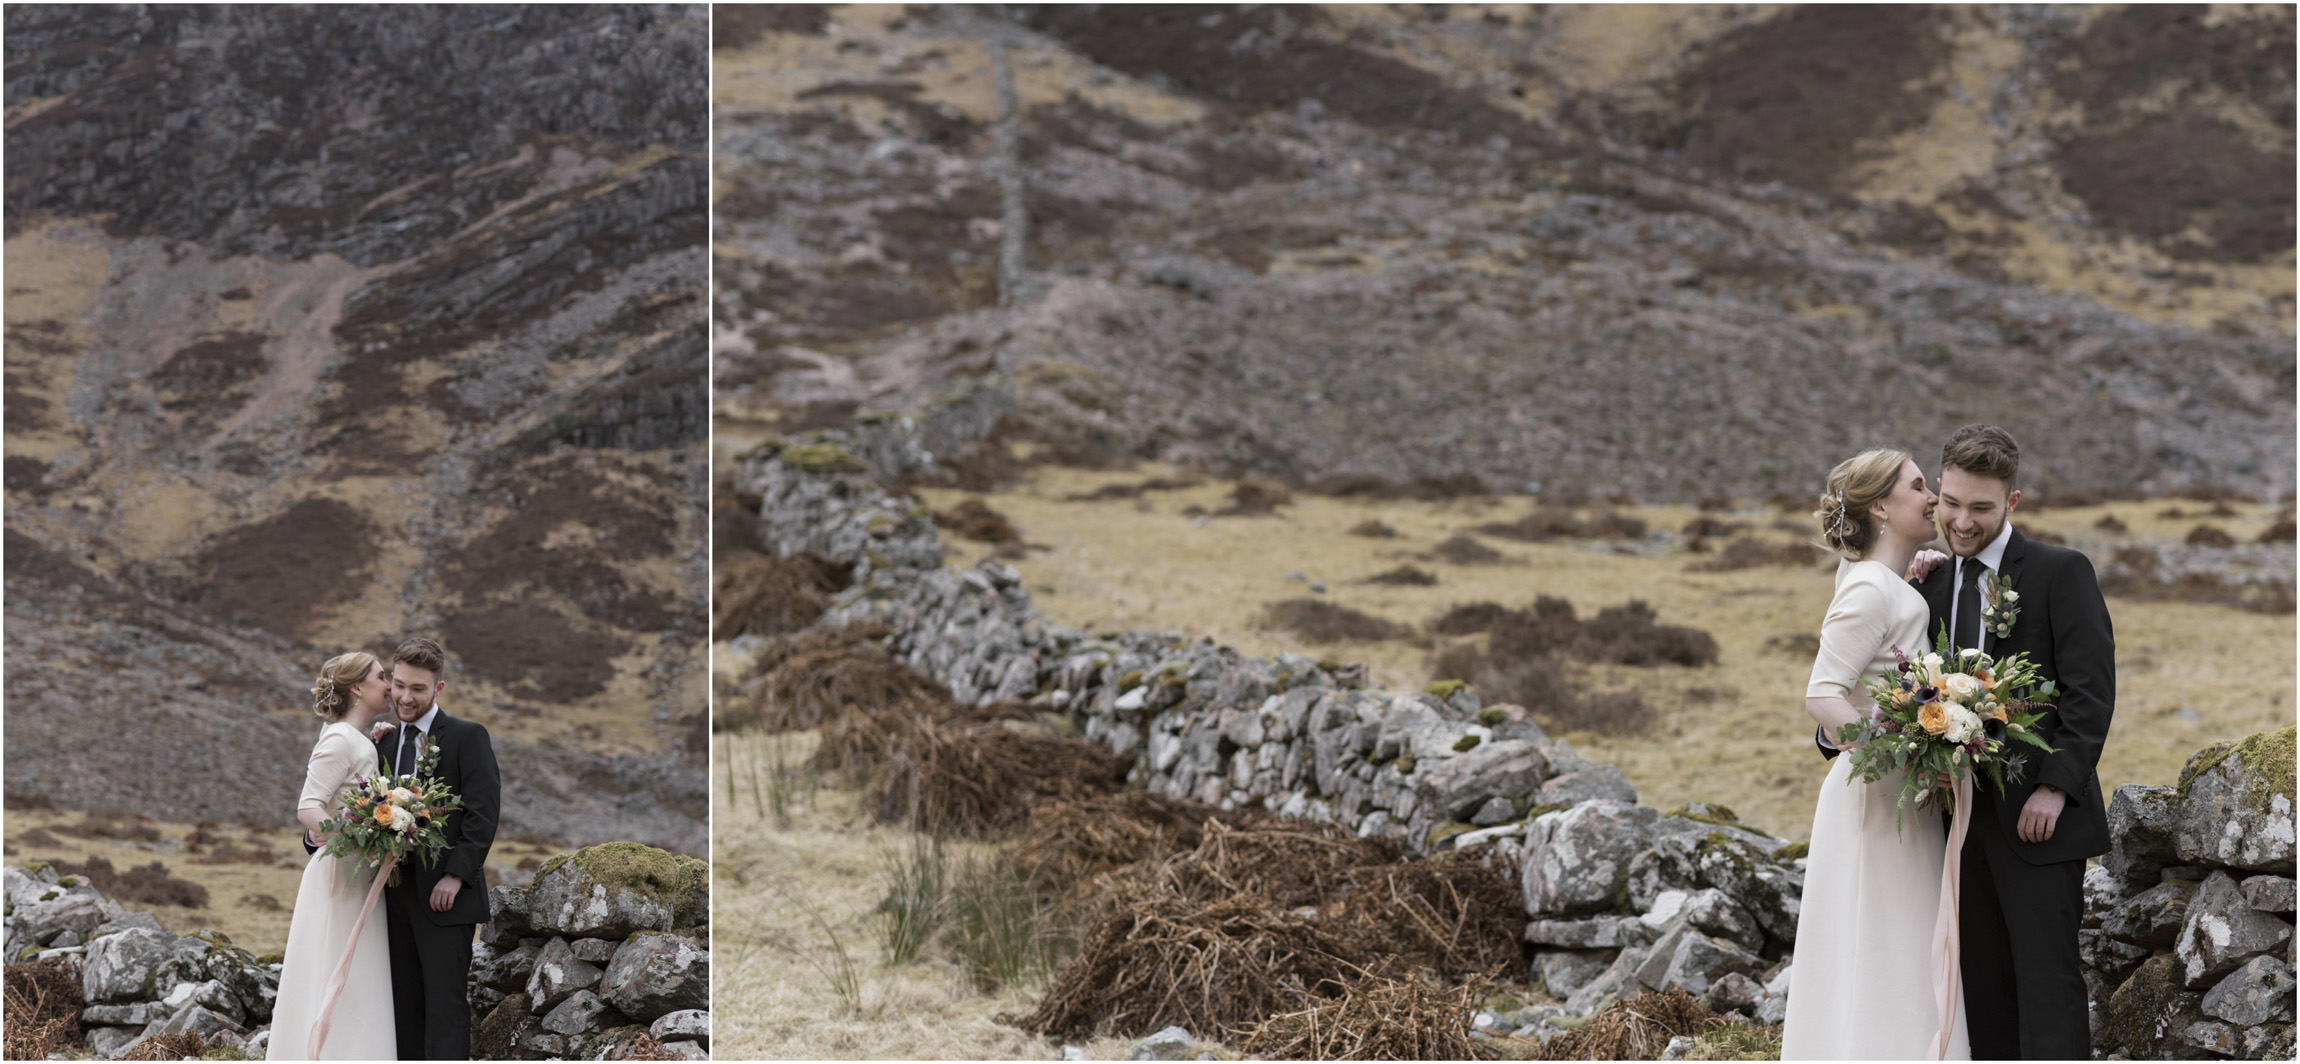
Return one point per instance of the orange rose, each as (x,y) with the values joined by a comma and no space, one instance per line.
(1933,718)
(383,815)
(1996,711)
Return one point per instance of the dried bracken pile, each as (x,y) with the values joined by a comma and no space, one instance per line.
(754,594)
(41,1009)
(1636,1029)
(1374,1018)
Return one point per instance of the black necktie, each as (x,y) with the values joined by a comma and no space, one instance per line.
(1968,633)
(400,765)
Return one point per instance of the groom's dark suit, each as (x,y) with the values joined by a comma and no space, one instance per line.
(431,951)
(2021,902)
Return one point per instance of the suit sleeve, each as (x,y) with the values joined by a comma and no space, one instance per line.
(480,785)
(2084,655)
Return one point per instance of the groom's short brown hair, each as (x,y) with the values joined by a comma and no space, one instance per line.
(423,652)
(1983,451)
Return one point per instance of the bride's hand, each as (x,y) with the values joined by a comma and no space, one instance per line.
(379,729)
(1924,563)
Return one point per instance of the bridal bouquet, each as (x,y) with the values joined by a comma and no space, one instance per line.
(388,817)
(1949,712)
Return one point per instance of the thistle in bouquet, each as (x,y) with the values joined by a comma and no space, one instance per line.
(386,818)
(1947,715)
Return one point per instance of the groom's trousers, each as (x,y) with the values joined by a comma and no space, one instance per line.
(430,964)
(2024,995)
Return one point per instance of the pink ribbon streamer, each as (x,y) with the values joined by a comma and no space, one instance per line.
(1948,966)
(343,968)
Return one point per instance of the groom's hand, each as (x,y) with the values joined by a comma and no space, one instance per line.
(2040,813)
(443,895)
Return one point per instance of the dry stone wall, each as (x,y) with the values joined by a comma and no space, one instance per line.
(2188,927)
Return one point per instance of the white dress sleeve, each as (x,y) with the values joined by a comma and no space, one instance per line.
(334,761)
(1859,621)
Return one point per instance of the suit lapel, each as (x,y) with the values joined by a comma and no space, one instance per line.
(2009,571)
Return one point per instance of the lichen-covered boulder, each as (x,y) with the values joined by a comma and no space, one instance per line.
(2236,805)
(1454,787)
(1564,971)
(2222,931)
(1772,892)
(2149,1009)
(2140,820)
(656,973)
(507,971)
(583,1012)
(75,912)
(1618,979)
(506,917)
(1594,932)
(123,967)
(1588,785)
(1690,960)
(614,889)
(2258,992)
(504,1033)
(1710,911)
(558,975)
(2269,894)
(2152,918)
(1577,861)
(1734,992)
(693,1024)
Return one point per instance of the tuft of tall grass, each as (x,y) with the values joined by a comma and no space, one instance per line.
(1003,931)
(766,772)
(918,878)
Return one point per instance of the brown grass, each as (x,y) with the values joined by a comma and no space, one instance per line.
(1543,687)
(809,677)
(1547,523)
(758,595)
(645,1047)
(1319,621)
(1374,1018)
(113,824)
(1751,553)
(2111,524)
(1372,529)
(1067,844)
(183,1045)
(1268,920)
(1133,491)
(975,778)
(2136,573)
(150,884)
(2209,536)
(1403,576)
(975,520)
(1254,499)
(1636,1029)
(1462,550)
(41,1004)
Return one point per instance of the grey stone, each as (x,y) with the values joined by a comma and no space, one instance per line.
(1708,910)
(2140,820)
(1689,960)
(655,973)
(1592,784)
(107,1043)
(2236,805)
(1564,971)
(2269,894)
(2102,891)
(569,899)
(2271,1041)
(1173,1043)
(692,1024)
(2257,993)
(123,967)
(2152,918)
(1734,992)
(1668,865)
(1070,1052)
(1454,787)
(558,976)
(1488,1021)
(124,921)
(135,1014)
(1577,860)
(2222,931)
(1496,810)
(199,1020)
(1617,979)
(593,950)
(2148,1011)
(76,912)
(688,1050)
(507,972)
(582,1012)
(507,917)
(1771,892)
(19,888)
(1679,1045)
(1593,932)
(2211,1036)
(2114,960)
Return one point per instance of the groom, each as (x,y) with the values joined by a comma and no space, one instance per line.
(2021,897)
(435,911)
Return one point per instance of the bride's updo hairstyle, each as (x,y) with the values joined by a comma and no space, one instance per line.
(331,696)
(1855,485)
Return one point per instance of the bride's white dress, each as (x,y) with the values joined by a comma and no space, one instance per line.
(1862,986)
(326,905)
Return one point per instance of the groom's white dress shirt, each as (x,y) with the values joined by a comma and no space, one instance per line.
(1991,558)
(422,726)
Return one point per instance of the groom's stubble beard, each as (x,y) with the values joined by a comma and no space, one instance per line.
(1966,489)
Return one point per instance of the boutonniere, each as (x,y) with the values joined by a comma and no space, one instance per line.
(2000,604)
(427,754)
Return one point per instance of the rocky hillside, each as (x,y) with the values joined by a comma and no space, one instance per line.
(1673,252)
(327,325)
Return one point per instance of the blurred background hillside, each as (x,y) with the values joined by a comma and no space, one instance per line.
(330,325)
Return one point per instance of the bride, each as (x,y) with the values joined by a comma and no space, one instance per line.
(1868,982)
(351,692)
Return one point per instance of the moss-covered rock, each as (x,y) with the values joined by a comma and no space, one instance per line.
(1443,830)
(1795,851)
(498,1037)
(2149,1009)
(819,456)
(2236,805)
(1708,813)
(616,888)
(1467,742)
(1444,688)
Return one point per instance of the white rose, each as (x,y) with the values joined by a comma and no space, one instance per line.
(1963,724)
(2012,596)
(1960,687)
(401,818)
(1969,652)
(401,794)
